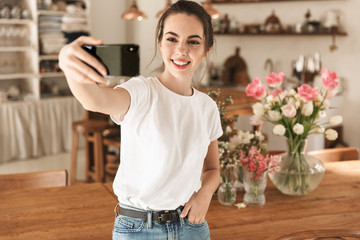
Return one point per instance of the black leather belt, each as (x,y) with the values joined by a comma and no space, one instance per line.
(162,217)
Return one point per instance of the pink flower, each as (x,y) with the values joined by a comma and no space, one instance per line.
(274,80)
(288,110)
(331,93)
(329,78)
(276,92)
(307,92)
(256,89)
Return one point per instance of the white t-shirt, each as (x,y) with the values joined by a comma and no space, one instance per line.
(164,140)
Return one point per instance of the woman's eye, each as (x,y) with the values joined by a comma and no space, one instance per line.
(171,39)
(193,42)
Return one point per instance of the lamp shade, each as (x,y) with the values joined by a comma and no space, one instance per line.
(161,12)
(133,13)
(214,13)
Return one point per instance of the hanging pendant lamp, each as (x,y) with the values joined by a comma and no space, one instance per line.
(214,13)
(161,12)
(133,13)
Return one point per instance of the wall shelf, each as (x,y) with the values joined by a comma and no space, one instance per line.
(52,75)
(281,34)
(16,76)
(15,49)
(16,21)
(262,1)
(48,57)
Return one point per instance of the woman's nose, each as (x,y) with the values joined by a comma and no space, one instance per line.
(182,49)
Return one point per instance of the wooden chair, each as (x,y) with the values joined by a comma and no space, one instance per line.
(98,136)
(336,154)
(44,179)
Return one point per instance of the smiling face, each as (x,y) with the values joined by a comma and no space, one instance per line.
(182,45)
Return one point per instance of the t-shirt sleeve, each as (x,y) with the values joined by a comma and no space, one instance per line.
(139,94)
(216,129)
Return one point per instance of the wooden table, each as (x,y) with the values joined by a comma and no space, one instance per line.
(85,211)
(335,204)
(82,211)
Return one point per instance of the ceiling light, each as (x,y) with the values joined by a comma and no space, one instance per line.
(161,12)
(211,10)
(133,13)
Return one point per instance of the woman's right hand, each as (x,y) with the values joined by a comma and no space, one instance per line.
(73,59)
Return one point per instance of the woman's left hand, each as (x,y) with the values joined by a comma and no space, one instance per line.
(196,208)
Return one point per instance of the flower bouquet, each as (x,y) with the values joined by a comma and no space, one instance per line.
(295,114)
(228,155)
(256,165)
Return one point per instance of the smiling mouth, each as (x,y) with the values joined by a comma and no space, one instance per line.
(180,63)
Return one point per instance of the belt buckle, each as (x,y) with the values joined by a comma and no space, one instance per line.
(164,217)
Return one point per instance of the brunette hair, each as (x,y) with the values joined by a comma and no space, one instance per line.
(189,8)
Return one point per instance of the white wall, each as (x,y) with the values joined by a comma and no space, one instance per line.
(255,50)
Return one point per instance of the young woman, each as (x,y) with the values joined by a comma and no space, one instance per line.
(169,153)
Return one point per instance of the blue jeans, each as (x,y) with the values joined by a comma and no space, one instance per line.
(128,228)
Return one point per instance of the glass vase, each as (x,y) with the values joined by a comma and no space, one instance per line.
(227,192)
(299,173)
(254,188)
(238,172)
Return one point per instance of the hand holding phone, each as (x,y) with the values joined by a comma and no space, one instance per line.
(118,59)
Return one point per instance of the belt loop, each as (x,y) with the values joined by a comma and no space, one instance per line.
(179,210)
(116,210)
(149,220)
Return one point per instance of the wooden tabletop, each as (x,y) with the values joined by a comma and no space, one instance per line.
(83,211)
(333,205)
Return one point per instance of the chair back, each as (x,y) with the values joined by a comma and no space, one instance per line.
(20,181)
(336,154)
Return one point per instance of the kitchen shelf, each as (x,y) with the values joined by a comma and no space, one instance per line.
(16,76)
(48,57)
(16,21)
(51,13)
(52,75)
(26,55)
(15,49)
(262,1)
(281,34)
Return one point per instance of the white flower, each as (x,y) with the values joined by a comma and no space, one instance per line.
(318,100)
(274,115)
(279,130)
(319,130)
(245,137)
(335,120)
(292,92)
(291,101)
(331,134)
(271,99)
(258,109)
(298,129)
(228,129)
(307,109)
(321,115)
(259,135)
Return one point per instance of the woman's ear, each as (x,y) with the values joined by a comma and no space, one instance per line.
(206,53)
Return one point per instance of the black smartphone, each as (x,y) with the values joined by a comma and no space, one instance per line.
(118,59)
